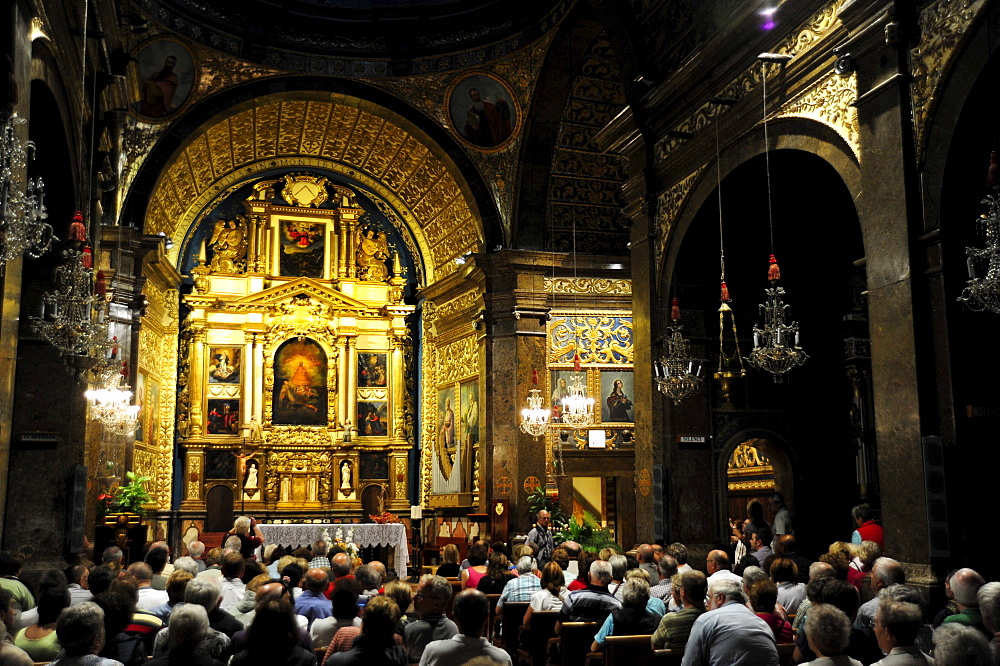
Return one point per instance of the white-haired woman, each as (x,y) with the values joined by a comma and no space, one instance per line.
(248,532)
(188,629)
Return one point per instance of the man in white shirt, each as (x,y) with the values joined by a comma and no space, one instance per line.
(717,566)
(471,609)
(148,597)
(679,552)
(233,588)
(78,586)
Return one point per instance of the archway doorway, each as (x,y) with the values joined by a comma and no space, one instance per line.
(755,470)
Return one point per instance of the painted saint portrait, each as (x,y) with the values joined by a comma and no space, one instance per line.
(223,416)
(302,248)
(482,110)
(152,407)
(164,76)
(224,365)
(469,421)
(560,390)
(617,396)
(300,384)
(373,419)
(447,432)
(140,399)
(371,369)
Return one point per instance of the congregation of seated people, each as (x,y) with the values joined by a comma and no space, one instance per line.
(319,606)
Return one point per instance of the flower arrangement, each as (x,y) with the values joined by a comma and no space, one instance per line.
(347,543)
(384,517)
(131,497)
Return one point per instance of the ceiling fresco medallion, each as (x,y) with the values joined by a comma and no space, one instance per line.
(161,78)
(484,111)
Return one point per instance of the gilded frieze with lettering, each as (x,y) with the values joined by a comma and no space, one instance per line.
(604,339)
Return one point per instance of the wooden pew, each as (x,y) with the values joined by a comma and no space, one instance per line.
(574,642)
(511,614)
(534,643)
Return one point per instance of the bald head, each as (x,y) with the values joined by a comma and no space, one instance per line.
(965,584)
(269,592)
(819,570)
(717,560)
(379,568)
(644,553)
(315,580)
(340,565)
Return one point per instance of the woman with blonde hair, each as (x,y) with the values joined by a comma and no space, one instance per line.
(553,592)
(450,568)
(248,532)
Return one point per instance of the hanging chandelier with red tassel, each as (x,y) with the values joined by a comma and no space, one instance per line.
(678,374)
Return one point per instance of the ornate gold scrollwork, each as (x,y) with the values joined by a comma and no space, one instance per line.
(668,208)
(371,255)
(604,339)
(229,245)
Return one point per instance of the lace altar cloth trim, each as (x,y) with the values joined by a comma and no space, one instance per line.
(369,534)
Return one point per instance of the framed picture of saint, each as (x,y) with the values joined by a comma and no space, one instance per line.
(617,396)
(161,78)
(223,416)
(483,110)
(140,399)
(447,430)
(300,384)
(469,422)
(372,369)
(302,248)
(373,419)
(224,364)
(560,389)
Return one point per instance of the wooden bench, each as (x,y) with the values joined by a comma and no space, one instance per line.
(512,615)
(574,641)
(534,639)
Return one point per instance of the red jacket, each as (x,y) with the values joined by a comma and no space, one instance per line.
(872,531)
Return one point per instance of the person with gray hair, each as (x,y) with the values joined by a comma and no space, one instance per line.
(522,586)
(885,572)
(204,592)
(965,585)
(897,625)
(989,606)
(664,589)
(632,619)
(619,564)
(196,549)
(186,564)
(541,537)
(730,633)
(429,601)
(80,629)
(593,603)
(829,632)
(188,628)
(960,645)
(320,561)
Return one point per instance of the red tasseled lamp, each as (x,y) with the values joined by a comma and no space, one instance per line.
(87,258)
(675,310)
(576,361)
(77,229)
(773,272)
(724,295)
(993,173)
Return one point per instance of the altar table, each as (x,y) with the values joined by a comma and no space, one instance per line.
(366,534)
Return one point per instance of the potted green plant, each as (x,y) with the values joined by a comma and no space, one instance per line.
(132,497)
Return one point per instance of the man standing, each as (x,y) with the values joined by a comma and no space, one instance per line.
(541,537)
(472,610)
(429,601)
(782,523)
(730,633)
(868,529)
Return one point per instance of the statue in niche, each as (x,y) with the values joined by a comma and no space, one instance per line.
(345,474)
(372,253)
(228,245)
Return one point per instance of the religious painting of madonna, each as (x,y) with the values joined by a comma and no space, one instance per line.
(223,417)
(371,369)
(373,419)
(224,365)
(616,396)
(300,384)
(302,248)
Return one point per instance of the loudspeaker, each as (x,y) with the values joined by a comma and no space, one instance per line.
(937,504)
(76,510)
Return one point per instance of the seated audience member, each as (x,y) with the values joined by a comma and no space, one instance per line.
(679,552)
(717,567)
(157,559)
(839,560)
(273,639)
(593,603)
(187,631)
(272,553)
(663,590)
(340,565)
(113,558)
(176,585)
(654,605)
(376,644)
(497,575)
(989,606)
(274,590)
(10,654)
(50,578)
(486,545)
(885,572)
(786,546)
(619,565)
(142,623)
(251,569)
(149,598)
(865,554)
(369,580)
(78,576)
(344,604)
(845,552)
(244,611)
(10,569)
(477,566)
(897,625)
(965,586)
(632,619)
(206,594)
(868,528)
(185,564)
(784,572)
(582,580)
(429,602)
(213,565)
(689,590)
(196,549)
(552,593)
(232,586)
(521,587)
(400,592)
(313,604)
(644,553)
(39,640)
(842,595)
(729,633)
(100,579)
(319,560)
(763,597)
(128,648)
(956,644)
(829,633)
(80,629)
(472,610)
(449,558)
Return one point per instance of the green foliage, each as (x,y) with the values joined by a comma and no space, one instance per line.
(132,496)
(589,534)
(538,501)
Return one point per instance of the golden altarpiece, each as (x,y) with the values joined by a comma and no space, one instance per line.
(292,359)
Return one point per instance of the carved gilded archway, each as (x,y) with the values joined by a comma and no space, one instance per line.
(363,141)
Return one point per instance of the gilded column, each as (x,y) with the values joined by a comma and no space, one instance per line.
(396,401)
(352,380)
(255,262)
(193,480)
(345,415)
(196,385)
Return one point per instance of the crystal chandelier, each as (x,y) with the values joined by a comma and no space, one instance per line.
(110,402)
(578,408)
(534,419)
(75,313)
(22,206)
(776,344)
(983,293)
(677,373)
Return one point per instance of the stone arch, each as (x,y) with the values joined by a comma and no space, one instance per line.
(335,131)
(780,454)
(786,134)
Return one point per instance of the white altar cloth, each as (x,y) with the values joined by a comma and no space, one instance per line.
(366,534)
